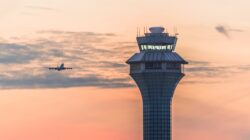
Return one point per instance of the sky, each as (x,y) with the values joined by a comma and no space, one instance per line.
(98,99)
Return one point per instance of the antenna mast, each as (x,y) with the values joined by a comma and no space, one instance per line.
(175,31)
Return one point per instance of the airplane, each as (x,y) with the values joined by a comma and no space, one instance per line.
(60,68)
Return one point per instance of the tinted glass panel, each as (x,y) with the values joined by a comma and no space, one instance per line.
(173,66)
(153,65)
(135,66)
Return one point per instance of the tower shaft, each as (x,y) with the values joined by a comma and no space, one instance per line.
(157,90)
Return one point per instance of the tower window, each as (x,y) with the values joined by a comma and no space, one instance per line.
(135,67)
(173,66)
(153,65)
(156,47)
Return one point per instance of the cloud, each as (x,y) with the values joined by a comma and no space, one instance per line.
(113,64)
(16,53)
(93,61)
(195,62)
(221,29)
(79,34)
(55,80)
(203,72)
(216,71)
(97,60)
(206,71)
(40,8)
(226,31)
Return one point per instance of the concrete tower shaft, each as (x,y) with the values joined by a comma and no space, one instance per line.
(157,70)
(157,90)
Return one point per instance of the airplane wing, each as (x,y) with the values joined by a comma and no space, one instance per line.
(67,68)
(52,68)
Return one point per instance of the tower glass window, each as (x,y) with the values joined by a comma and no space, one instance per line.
(173,66)
(135,66)
(156,47)
(153,65)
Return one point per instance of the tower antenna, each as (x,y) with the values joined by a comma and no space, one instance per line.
(175,31)
(137,31)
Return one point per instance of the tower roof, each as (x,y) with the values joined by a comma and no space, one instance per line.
(156,29)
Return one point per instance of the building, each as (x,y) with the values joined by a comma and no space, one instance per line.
(157,69)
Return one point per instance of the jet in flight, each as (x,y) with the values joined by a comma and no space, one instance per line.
(60,68)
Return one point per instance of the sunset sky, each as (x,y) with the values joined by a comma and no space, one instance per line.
(98,100)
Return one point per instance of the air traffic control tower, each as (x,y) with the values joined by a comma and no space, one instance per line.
(157,69)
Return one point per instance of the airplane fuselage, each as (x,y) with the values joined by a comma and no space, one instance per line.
(60,68)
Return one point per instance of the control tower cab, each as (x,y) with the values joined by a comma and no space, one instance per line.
(157,52)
